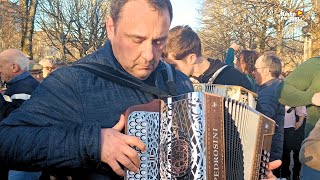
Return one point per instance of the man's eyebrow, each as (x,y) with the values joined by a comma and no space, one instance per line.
(161,38)
(136,36)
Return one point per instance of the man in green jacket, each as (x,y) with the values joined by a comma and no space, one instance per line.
(301,88)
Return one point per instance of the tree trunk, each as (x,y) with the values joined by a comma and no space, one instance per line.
(315,30)
(28,12)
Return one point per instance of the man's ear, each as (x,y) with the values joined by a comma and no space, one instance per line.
(192,59)
(15,68)
(110,26)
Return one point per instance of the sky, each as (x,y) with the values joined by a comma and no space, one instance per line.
(185,12)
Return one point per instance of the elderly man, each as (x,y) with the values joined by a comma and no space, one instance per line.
(267,71)
(47,67)
(14,67)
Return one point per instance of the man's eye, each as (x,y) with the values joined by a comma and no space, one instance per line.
(137,40)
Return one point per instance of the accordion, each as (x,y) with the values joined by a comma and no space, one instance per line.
(200,136)
(234,92)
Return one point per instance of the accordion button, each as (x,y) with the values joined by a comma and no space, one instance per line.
(262,170)
(138,134)
(143,158)
(143,131)
(263,164)
(137,176)
(265,152)
(143,138)
(143,172)
(131,173)
(268,154)
(132,131)
(132,124)
(144,124)
(143,165)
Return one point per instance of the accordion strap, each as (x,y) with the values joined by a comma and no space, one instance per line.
(107,72)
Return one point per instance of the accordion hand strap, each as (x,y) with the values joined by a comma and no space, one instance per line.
(107,72)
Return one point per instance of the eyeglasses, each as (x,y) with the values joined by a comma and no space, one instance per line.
(36,73)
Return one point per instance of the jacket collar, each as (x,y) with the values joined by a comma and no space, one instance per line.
(19,77)
(268,83)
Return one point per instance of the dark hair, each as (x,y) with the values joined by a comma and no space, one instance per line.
(160,5)
(249,59)
(270,60)
(181,42)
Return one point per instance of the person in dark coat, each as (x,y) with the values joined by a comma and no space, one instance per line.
(267,70)
(73,121)
(14,66)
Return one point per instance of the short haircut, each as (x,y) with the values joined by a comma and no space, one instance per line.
(249,59)
(270,60)
(159,5)
(181,42)
(18,58)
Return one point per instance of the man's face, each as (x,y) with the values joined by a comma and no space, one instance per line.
(240,65)
(259,71)
(138,37)
(6,70)
(182,65)
(37,74)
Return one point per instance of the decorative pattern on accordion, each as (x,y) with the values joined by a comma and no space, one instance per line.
(234,92)
(181,149)
(201,136)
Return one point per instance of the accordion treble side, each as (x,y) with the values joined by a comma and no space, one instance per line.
(200,136)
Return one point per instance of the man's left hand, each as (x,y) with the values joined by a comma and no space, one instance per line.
(273,165)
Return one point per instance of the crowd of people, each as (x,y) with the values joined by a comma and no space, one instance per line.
(60,121)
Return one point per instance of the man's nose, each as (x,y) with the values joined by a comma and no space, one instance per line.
(147,51)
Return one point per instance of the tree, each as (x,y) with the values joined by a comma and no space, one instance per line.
(262,25)
(75,28)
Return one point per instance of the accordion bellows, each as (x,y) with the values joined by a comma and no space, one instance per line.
(234,92)
(200,136)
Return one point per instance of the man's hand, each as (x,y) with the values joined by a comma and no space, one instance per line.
(273,165)
(115,149)
(316,99)
(235,46)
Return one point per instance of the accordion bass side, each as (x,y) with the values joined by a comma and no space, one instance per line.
(234,92)
(200,136)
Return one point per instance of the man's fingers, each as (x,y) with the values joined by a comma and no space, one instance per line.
(126,162)
(116,168)
(133,156)
(135,142)
(120,125)
(274,164)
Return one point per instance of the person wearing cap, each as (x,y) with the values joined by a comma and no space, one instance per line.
(35,70)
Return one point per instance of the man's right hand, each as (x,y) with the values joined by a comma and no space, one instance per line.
(235,46)
(115,149)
